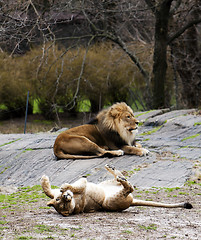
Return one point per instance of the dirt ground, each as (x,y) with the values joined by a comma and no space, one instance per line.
(24,215)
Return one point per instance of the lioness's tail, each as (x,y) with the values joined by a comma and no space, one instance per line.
(159,204)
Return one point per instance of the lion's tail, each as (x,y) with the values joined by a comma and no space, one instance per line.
(62,155)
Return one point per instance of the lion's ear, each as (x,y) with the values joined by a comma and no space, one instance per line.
(114,112)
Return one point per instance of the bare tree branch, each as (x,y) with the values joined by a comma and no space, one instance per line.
(182,30)
(152,5)
(80,75)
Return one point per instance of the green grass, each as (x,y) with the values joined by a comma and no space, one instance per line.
(190,183)
(151,131)
(23,238)
(23,195)
(197,123)
(183,193)
(3,222)
(127,231)
(138,196)
(137,169)
(149,227)
(190,137)
(171,189)
(188,146)
(4,169)
(143,113)
(41,228)
(10,142)
(27,149)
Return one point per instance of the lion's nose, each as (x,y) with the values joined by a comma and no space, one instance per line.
(137,122)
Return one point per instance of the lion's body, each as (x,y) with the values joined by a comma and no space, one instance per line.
(84,196)
(111,133)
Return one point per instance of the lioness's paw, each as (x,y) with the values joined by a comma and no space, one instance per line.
(64,187)
(45,181)
(144,152)
(107,166)
(44,178)
(121,179)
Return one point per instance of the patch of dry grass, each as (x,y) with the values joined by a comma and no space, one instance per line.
(35,124)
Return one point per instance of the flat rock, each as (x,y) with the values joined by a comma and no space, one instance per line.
(163,174)
(159,119)
(24,158)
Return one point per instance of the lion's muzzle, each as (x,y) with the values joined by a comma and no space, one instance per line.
(132,129)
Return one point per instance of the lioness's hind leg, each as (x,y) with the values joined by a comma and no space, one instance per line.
(113,170)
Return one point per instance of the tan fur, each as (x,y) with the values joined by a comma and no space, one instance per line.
(111,195)
(111,133)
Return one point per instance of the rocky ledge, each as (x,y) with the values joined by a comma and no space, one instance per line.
(173,138)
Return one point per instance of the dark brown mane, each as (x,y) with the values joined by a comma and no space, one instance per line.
(114,137)
(92,121)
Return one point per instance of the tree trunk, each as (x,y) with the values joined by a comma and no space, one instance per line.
(160,54)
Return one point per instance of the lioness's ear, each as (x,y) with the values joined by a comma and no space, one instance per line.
(50,203)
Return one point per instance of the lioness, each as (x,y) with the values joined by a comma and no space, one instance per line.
(111,195)
(111,133)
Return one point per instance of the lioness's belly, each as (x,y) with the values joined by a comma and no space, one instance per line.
(94,197)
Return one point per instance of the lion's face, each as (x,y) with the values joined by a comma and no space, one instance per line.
(129,122)
(127,126)
(120,118)
(63,203)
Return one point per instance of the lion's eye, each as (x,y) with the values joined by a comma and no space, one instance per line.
(128,117)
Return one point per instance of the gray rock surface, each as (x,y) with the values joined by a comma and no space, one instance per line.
(173,138)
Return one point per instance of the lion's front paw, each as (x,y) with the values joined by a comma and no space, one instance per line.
(144,152)
(119,152)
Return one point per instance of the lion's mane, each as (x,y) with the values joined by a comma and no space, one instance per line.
(108,122)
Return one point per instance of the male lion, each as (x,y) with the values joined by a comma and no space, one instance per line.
(111,195)
(111,133)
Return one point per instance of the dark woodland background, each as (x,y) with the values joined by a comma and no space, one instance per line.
(83,55)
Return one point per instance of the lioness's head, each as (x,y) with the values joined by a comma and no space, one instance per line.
(63,202)
(120,118)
